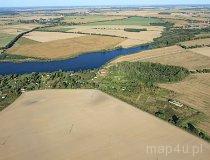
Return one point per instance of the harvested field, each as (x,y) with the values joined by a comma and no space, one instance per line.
(133,38)
(174,55)
(196,43)
(203,51)
(50,36)
(17,29)
(195,92)
(66,47)
(87,125)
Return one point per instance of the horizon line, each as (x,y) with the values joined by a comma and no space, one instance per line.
(134,5)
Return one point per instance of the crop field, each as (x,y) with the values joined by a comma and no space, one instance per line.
(195,92)
(132,38)
(90,18)
(87,125)
(17,29)
(141,21)
(50,36)
(203,51)
(196,43)
(66,47)
(174,55)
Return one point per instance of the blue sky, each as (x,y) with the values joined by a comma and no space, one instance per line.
(19,3)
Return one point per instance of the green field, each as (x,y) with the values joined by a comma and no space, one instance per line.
(5,39)
(142,21)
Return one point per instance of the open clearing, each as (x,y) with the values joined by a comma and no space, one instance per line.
(173,55)
(195,92)
(197,42)
(66,47)
(87,125)
(203,51)
(50,36)
(133,38)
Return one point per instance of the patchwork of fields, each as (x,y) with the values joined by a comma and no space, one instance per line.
(195,92)
(173,84)
(132,38)
(174,55)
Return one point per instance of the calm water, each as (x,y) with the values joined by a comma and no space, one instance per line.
(82,62)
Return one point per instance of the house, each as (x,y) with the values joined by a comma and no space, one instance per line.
(176,103)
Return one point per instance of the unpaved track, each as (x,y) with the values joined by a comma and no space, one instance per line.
(86,125)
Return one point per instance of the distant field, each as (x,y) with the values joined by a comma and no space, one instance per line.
(133,38)
(17,29)
(130,21)
(203,51)
(172,56)
(5,39)
(195,92)
(66,47)
(196,43)
(50,36)
(56,29)
(90,18)
(176,16)
(87,125)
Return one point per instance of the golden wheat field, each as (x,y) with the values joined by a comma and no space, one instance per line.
(66,47)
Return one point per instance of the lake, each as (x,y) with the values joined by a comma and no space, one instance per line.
(82,62)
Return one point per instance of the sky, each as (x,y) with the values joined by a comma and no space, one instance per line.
(24,3)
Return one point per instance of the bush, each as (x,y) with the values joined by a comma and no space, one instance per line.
(135,29)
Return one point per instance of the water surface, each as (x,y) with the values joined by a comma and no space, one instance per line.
(82,62)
